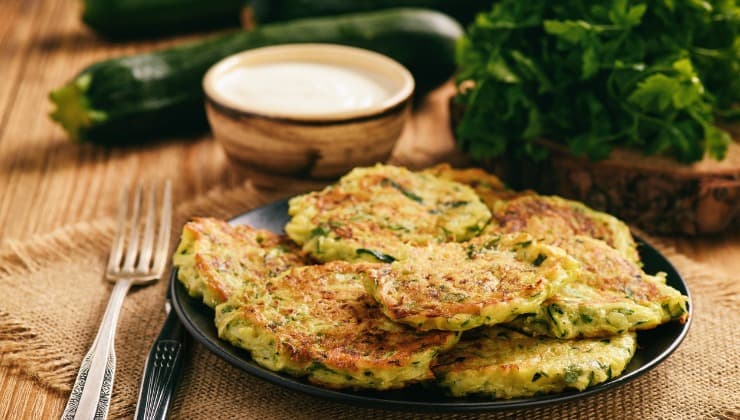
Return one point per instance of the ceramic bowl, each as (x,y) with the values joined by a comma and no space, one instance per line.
(309,144)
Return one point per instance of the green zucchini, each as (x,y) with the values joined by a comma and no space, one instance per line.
(134,98)
(266,11)
(141,18)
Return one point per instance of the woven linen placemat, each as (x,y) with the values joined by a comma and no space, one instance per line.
(52,296)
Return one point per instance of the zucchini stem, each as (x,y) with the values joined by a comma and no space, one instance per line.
(73,111)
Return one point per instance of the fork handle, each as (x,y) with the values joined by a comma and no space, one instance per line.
(162,370)
(91,393)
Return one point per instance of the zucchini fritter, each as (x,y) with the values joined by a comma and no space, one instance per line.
(374,214)
(318,321)
(457,287)
(501,363)
(552,216)
(610,296)
(215,259)
(541,216)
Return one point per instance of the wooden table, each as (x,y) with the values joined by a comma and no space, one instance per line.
(46,182)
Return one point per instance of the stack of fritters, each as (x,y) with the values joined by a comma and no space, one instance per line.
(320,322)
(384,270)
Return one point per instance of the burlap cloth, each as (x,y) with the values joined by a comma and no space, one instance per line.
(52,296)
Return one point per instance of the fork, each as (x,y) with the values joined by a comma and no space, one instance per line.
(142,263)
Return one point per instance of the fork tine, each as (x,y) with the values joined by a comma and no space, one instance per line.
(147,244)
(116,252)
(133,238)
(163,239)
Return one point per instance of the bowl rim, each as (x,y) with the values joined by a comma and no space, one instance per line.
(328,52)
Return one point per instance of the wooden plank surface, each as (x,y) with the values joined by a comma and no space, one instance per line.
(47,182)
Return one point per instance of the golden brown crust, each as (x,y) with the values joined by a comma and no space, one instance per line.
(457,286)
(551,216)
(319,318)
(607,270)
(525,211)
(610,296)
(215,258)
(380,211)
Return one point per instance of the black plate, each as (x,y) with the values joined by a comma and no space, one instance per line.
(654,345)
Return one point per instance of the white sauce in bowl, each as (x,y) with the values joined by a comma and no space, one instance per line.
(303,87)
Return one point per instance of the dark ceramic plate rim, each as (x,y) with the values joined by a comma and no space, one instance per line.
(272,216)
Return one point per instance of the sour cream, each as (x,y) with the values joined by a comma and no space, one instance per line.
(304,88)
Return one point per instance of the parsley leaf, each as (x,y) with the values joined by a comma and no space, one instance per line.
(649,75)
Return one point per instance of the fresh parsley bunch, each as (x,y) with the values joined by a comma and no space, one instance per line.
(650,75)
